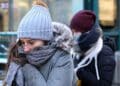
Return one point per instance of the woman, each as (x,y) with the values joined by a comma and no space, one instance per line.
(39,62)
(95,64)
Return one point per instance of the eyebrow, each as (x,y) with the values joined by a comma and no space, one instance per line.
(27,39)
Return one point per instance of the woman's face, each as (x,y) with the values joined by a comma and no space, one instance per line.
(30,44)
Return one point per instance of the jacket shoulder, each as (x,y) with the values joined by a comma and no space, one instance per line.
(106,51)
(106,56)
(61,57)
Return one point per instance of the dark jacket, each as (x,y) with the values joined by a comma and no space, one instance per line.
(106,66)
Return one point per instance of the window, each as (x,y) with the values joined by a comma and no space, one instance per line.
(107,12)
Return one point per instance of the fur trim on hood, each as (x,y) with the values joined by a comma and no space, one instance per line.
(63,36)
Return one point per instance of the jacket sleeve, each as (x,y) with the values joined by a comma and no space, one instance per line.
(106,70)
(62,72)
(107,67)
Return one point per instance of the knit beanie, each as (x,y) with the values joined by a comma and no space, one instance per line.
(83,20)
(36,24)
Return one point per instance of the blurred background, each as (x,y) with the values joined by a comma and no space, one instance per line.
(107,11)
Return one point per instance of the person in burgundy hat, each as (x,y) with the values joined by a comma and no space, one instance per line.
(94,62)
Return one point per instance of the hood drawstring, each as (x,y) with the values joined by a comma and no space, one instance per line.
(90,54)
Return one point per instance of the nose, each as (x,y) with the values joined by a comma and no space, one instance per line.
(27,48)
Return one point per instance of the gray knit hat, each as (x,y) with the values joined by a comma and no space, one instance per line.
(36,24)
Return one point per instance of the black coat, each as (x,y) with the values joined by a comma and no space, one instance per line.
(106,66)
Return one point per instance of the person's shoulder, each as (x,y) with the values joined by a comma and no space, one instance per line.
(109,41)
(106,50)
(107,56)
(62,57)
(62,53)
(106,53)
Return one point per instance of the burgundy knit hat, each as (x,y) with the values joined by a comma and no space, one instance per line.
(83,21)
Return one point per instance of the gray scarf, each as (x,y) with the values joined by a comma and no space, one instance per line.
(36,57)
(40,55)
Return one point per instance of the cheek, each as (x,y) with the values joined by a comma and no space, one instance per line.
(27,48)
(38,44)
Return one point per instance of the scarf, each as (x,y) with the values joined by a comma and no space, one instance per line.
(40,55)
(36,57)
(87,39)
(91,54)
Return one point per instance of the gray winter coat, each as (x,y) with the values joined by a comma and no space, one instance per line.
(58,71)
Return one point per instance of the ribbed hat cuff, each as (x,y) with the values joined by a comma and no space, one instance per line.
(43,35)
